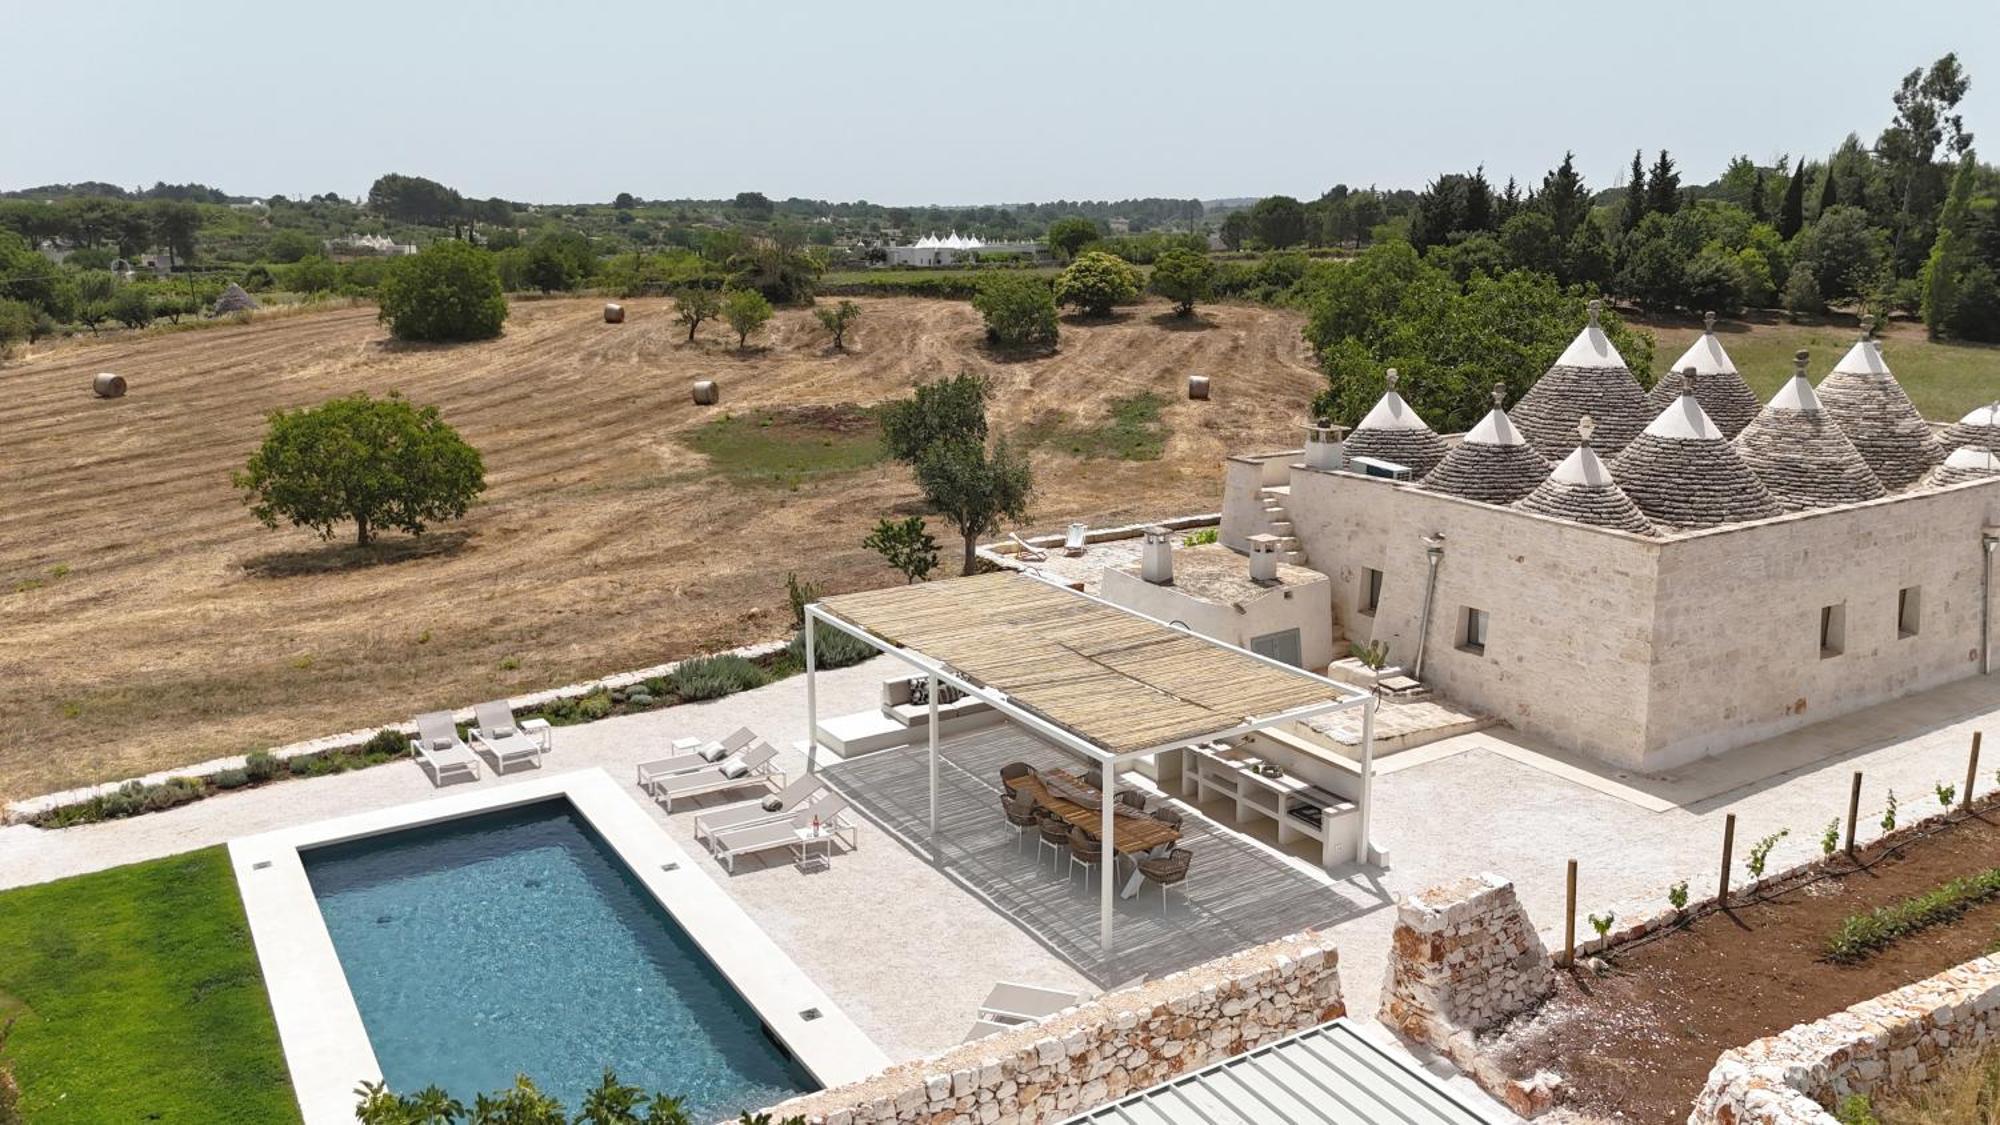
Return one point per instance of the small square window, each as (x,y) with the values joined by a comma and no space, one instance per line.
(1472,630)
(1909,610)
(1371,590)
(1832,630)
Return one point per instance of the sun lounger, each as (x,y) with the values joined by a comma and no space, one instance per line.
(438,746)
(737,771)
(830,810)
(983,1028)
(699,757)
(498,734)
(1025,1003)
(791,799)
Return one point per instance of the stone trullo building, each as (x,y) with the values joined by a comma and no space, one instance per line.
(1693,575)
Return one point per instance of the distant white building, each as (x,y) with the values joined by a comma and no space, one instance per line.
(370,244)
(953,249)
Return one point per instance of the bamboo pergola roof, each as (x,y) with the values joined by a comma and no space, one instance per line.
(1112,678)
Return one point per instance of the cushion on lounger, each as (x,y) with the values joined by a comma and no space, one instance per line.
(441,743)
(920,691)
(733,766)
(713,752)
(774,804)
(500,732)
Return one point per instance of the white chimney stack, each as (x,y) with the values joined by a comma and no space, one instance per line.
(1156,557)
(1263,558)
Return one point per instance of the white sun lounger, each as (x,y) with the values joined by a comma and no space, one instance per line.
(738,771)
(498,734)
(1025,1003)
(791,799)
(438,746)
(830,809)
(698,757)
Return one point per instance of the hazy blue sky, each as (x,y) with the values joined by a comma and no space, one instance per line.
(944,102)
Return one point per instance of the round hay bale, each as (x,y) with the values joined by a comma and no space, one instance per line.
(614,314)
(107,385)
(1198,387)
(706,393)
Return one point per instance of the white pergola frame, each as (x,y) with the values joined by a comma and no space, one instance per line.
(1108,761)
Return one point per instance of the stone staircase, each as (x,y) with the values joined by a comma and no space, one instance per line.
(1278,522)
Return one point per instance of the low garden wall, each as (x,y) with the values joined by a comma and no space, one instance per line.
(1463,960)
(1102,1049)
(1890,1042)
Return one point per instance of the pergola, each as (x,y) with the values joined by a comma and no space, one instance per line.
(1103,682)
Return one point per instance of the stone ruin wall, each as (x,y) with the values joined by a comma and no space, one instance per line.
(1889,1043)
(1465,959)
(1103,1049)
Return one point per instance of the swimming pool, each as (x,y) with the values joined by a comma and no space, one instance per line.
(517,941)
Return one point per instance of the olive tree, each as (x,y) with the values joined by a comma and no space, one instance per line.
(694,304)
(974,489)
(377,462)
(746,310)
(837,320)
(905,544)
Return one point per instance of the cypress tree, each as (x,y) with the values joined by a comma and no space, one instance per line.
(1758,210)
(1564,196)
(1792,213)
(1949,252)
(1635,196)
(1663,186)
(1829,195)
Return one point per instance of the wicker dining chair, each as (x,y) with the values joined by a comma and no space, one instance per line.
(1055,836)
(1166,816)
(1133,799)
(1012,772)
(1167,871)
(1020,813)
(1085,850)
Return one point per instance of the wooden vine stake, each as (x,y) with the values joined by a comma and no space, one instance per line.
(1853,811)
(1971,772)
(1569,919)
(1728,847)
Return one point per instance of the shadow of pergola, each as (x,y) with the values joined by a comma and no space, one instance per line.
(1238,893)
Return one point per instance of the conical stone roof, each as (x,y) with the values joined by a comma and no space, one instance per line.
(1879,419)
(1493,463)
(1801,454)
(1967,462)
(1581,489)
(1729,401)
(1590,377)
(1393,431)
(1980,429)
(1683,473)
(234,299)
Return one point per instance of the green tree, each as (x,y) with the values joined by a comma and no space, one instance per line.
(1951,253)
(1792,213)
(943,411)
(694,304)
(1564,196)
(1183,277)
(747,312)
(313,274)
(1845,252)
(1067,236)
(1926,102)
(132,307)
(906,545)
(450,290)
(837,320)
(1019,309)
(1529,241)
(1587,259)
(414,199)
(17,325)
(1633,211)
(1802,295)
(974,490)
(1663,186)
(290,245)
(1095,281)
(176,224)
(378,462)
(545,267)
(1235,230)
(1278,221)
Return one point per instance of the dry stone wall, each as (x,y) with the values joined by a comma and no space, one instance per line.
(1464,959)
(1103,1049)
(1889,1043)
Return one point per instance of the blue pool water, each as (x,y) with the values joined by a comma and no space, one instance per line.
(517,942)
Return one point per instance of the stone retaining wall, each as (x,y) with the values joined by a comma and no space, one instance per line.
(1103,1049)
(1888,1043)
(1463,960)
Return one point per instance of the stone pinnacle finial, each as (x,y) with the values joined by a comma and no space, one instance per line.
(1687,380)
(1392,378)
(1708,323)
(1799,362)
(1585,426)
(1499,396)
(1595,308)
(1867,326)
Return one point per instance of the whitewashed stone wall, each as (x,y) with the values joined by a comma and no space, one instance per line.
(1243,476)
(1101,1050)
(1889,1043)
(1463,960)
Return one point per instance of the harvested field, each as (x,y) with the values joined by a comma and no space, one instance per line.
(150,621)
(1637,1044)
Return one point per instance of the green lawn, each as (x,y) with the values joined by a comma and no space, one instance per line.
(1134,431)
(787,446)
(138,998)
(1945,380)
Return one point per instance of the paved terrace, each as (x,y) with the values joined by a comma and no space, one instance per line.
(908,949)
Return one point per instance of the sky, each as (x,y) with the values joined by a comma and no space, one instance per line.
(949,103)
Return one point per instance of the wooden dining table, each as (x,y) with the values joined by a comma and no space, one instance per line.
(1130,834)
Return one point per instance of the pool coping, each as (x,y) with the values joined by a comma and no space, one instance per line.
(319,1025)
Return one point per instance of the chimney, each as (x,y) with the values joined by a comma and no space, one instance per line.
(1263,558)
(1326,446)
(1156,557)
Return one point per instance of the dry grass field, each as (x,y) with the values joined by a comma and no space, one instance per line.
(149,621)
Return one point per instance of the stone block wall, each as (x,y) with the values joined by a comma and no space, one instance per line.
(1886,1044)
(1102,1049)
(1464,959)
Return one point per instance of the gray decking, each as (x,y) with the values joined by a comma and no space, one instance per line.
(1237,893)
